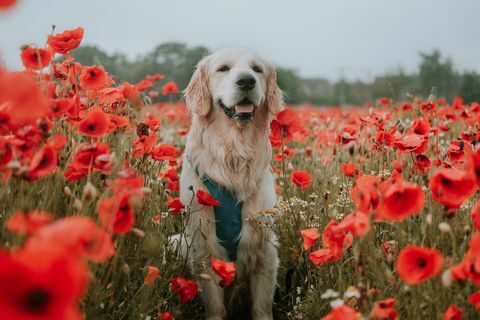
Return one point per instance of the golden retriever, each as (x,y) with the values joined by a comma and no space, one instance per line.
(232,97)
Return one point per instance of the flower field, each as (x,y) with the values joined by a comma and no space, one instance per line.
(376,218)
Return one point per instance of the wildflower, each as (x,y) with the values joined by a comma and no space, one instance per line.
(474,300)
(285,124)
(42,283)
(95,124)
(400,201)
(451,187)
(35,58)
(225,270)
(186,289)
(350,169)
(43,162)
(68,40)
(416,264)
(116,214)
(452,313)
(174,205)
(301,179)
(78,235)
(310,236)
(342,313)
(169,88)
(28,222)
(384,309)
(206,199)
(151,274)
(93,78)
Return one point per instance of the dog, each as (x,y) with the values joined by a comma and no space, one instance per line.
(232,97)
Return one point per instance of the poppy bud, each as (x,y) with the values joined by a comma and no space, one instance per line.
(447,278)
(77,205)
(126,269)
(142,129)
(138,233)
(68,191)
(444,227)
(89,191)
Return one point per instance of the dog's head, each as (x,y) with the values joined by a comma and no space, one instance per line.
(235,81)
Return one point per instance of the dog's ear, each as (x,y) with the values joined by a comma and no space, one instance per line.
(275,99)
(197,94)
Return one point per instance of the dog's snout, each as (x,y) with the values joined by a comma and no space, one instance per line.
(246,82)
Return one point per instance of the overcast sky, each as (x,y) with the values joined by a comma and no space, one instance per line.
(359,38)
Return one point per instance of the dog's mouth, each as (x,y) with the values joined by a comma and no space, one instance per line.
(242,111)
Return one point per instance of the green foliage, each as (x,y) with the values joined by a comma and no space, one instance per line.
(177,62)
(470,87)
(437,73)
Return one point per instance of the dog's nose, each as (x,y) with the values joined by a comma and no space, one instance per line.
(246,82)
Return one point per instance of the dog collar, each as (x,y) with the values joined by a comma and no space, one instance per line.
(228,214)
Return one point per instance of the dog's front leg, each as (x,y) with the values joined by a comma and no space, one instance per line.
(263,280)
(212,295)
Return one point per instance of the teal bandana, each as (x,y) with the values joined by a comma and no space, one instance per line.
(228,215)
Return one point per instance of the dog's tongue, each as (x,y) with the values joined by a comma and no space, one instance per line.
(245,108)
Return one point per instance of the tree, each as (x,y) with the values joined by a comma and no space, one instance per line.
(437,73)
(470,87)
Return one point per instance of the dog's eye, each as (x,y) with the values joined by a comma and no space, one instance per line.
(223,69)
(257,69)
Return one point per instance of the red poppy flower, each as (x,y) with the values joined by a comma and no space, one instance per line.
(44,283)
(116,214)
(474,300)
(174,205)
(95,124)
(185,288)
(206,199)
(173,186)
(43,163)
(452,313)
(336,239)
(358,223)
(144,85)
(172,174)
(301,179)
(350,169)
(169,88)
(78,235)
(451,187)
(35,58)
(7,4)
(475,215)
(93,78)
(384,309)
(165,152)
(401,200)
(365,193)
(285,124)
(28,222)
(310,237)
(320,256)
(21,99)
(416,264)
(347,134)
(144,144)
(412,143)
(420,127)
(342,313)
(165,316)
(422,163)
(225,270)
(66,41)
(151,274)
(61,106)
(131,94)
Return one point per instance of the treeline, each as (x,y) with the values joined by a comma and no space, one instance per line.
(177,62)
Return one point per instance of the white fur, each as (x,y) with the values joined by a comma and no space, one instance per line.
(237,156)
